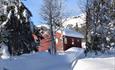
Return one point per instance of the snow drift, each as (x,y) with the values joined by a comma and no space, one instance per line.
(4,51)
(96,64)
(41,61)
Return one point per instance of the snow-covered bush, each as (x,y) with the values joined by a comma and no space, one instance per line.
(4,54)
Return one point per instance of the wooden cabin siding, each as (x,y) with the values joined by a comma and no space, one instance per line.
(59,41)
(69,44)
(45,42)
(60,44)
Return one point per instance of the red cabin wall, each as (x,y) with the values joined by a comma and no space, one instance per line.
(45,43)
(60,45)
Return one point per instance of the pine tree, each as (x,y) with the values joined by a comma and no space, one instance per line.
(100,24)
(16,27)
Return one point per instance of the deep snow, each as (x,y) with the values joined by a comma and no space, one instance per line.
(107,63)
(101,61)
(41,61)
(72,59)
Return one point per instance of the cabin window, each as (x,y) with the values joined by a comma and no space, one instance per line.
(65,40)
(78,40)
(72,41)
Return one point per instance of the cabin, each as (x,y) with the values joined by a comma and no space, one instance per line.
(64,40)
(71,39)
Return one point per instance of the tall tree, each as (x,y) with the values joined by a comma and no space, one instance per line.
(16,27)
(100,22)
(52,14)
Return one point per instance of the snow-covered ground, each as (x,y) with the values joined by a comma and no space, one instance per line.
(42,61)
(101,61)
(107,63)
(72,59)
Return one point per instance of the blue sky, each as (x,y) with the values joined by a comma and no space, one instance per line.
(71,7)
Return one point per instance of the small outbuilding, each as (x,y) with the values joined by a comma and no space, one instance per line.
(71,39)
(64,39)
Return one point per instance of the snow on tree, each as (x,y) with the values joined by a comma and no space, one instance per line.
(100,24)
(15,26)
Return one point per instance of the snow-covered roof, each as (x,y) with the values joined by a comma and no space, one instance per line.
(72,33)
(65,31)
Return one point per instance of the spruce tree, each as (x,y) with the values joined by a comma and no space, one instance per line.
(16,27)
(100,24)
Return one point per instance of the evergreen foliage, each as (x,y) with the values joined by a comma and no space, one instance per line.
(100,25)
(15,28)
